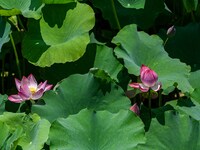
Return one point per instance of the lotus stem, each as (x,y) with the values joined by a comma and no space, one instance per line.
(165,41)
(115,14)
(2,73)
(16,55)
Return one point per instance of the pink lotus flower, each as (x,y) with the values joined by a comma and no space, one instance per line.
(149,80)
(28,89)
(135,109)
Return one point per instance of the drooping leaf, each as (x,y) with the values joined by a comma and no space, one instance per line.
(132,3)
(177,133)
(137,48)
(78,92)
(28,8)
(97,130)
(4,32)
(59,44)
(105,64)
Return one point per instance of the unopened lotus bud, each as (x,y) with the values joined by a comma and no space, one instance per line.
(171,31)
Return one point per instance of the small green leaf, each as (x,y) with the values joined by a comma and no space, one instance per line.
(103,130)
(137,48)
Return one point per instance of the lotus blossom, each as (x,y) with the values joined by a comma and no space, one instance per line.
(149,80)
(135,109)
(28,89)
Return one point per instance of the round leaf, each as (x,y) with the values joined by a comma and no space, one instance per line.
(103,130)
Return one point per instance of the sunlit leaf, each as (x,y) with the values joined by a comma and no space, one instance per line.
(78,92)
(97,130)
(137,48)
(59,44)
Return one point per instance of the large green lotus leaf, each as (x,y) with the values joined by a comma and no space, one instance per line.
(78,92)
(179,132)
(190,5)
(58,1)
(132,3)
(137,48)
(4,32)
(30,132)
(144,18)
(185,45)
(59,44)
(102,130)
(4,130)
(106,62)
(28,8)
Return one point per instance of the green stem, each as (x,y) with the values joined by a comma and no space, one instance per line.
(115,14)
(16,55)
(165,41)
(149,99)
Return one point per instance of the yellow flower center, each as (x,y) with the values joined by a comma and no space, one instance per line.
(32,89)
